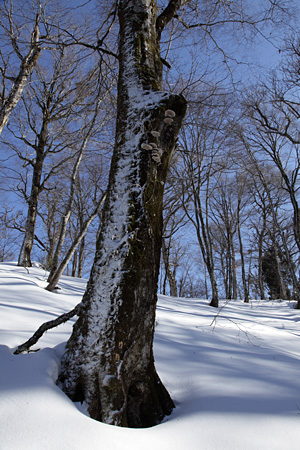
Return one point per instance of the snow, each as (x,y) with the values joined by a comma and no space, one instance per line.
(233,373)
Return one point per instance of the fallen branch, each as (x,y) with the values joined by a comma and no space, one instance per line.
(47,326)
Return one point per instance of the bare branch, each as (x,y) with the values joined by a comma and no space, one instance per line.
(45,327)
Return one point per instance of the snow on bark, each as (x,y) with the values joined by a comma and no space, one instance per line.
(109,362)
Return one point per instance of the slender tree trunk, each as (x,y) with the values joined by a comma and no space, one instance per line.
(81,257)
(234,278)
(224,272)
(169,273)
(109,360)
(27,244)
(68,210)
(26,248)
(260,271)
(205,282)
(74,264)
(65,219)
(229,267)
(204,240)
(28,63)
(50,253)
(245,287)
(208,261)
(164,284)
(65,261)
(232,266)
(282,292)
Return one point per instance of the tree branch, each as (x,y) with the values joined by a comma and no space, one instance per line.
(47,326)
(167,15)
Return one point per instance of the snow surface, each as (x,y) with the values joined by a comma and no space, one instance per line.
(234,377)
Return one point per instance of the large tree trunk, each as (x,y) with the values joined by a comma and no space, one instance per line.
(109,359)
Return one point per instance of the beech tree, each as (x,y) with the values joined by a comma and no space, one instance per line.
(26,47)
(109,361)
(204,141)
(273,112)
(89,129)
(174,220)
(41,137)
(224,214)
(272,205)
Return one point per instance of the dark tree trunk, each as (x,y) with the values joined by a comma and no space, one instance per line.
(234,277)
(245,287)
(282,290)
(81,258)
(204,240)
(26,248)
(260,257)
(109,360)
(27,244)
(169,274)
(74,264)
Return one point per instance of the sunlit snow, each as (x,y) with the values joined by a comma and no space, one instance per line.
(234,377)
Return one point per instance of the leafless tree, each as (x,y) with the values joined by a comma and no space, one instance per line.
(44,133)
(203,159)
(109,360)
(27,29)
(268,188)
(88,131)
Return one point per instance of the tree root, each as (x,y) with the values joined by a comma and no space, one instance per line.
(47,326)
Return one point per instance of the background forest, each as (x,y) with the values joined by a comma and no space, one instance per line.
(231,205)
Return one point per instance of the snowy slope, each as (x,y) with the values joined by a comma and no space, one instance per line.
(234,378)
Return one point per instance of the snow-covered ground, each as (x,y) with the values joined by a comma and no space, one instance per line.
(234,377)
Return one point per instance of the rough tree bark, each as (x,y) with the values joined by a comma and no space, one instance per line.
(109,361)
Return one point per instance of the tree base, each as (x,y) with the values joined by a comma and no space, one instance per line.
(214,302)
(138,402)
(144,411)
